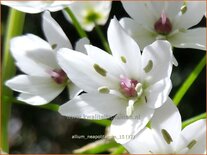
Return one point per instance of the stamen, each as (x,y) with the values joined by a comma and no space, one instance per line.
(130,108)
(183,8)
(149,66)
(123,59)
(191,144)
(139,89)
(54,46)
(103,90)
(99,70)
(166,136)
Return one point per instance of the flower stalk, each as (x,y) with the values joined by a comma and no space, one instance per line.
(15,27)
(193,119)
(77,25)
(189,81)
(103,39)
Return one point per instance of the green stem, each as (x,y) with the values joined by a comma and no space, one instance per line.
(103,39)
(15,27)
(119,150)
(189,81)
(103,122)
(77,25)
(191,120)
(50,106)
(99,146)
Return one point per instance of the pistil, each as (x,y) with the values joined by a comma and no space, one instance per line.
(163,25)
(58,75)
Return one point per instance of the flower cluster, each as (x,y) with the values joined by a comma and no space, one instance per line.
(131,84)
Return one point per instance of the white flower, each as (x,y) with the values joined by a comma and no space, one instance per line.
(37,58)
(126,83)
(36,6)
(165,135)
(89,13)
(166,20)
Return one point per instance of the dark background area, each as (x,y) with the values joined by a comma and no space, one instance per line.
(35,130)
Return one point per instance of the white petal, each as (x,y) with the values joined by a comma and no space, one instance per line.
(196,131)
(142,36)
(38,99)
(104,7)
(195,12)
(44,58)
(81,43)
(124,127)
(167,117)
(171,9)
(73,90)
(160,53)
(82,9)
(158,93)
(193,38)
(122,45)
(28,7)
(34,85)
(36,6)
(92,106)
(80,70)
(54,32)
(105,60)
(142,13)
(143,143)
(19,52)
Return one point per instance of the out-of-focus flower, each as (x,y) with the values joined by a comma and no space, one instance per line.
(166,21)
(45,80)
(90,13)
(126,83)
(165,135)
(37,6)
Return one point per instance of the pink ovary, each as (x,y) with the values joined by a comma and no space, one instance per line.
(128,86)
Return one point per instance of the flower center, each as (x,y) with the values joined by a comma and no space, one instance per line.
(128,86)
(131,89)
(58,75)
(163,25)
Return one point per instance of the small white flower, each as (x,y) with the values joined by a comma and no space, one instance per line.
(166,20)
(37,6)
(90,13)
(45,80)
(165,135)
(126,83)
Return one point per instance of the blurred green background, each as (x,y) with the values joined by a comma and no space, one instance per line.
(35,130)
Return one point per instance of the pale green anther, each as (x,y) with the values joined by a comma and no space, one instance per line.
(139,89)
(166,136)
(149,66)
(183,8)
(191,144)
(103,90)
(130,108)
(123,59)
(54,46)
(99,70)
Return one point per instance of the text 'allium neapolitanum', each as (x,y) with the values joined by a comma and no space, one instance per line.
(127,84)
